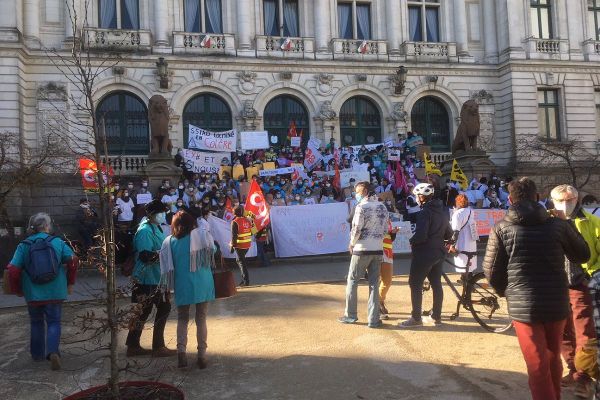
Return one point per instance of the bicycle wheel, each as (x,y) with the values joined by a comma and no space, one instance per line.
(488,309)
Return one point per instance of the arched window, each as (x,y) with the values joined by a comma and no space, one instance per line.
(360,122)
(206,111)
(126,124)
(279,114)
(429,118)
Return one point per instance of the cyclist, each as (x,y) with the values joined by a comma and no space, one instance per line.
(428,252)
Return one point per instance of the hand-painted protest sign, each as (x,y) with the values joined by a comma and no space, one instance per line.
(486,219)
(358,175)
(143,198)
(200,161)
(201,139)
(394,155)
(401,244)
(312,155)
(310,229)
(368,146)
(254,140)
(278,171)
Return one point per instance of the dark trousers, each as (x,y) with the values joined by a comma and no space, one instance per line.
(240,258)
(430,268)
(45,330)
(579,328)
(260,252)
(148,296)
(540,345)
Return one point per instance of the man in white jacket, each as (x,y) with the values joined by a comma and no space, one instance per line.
(369,225)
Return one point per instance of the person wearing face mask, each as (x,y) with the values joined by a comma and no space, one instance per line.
(279,200)
(296,201)
(189,196)
(298,188)
(308,197)
(491,200)
(428,253)
(87,224)
(584,287)
(170,200)
(125,206)
(180,189)
(132,192)
(146,279)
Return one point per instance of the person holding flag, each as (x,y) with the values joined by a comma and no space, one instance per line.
(457,175)
(241,240)
(430,167)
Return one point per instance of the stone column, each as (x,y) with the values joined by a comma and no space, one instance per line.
(31,19)
(460,27)
(392,10)
(489,31)
(161,23)
(244,19)
(576,30)
(322,31)
(510,27)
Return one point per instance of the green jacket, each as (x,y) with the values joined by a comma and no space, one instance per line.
(589,227)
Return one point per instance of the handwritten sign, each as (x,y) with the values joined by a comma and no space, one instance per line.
(201,139)
(358,175)
(143,198)
(278,171)
(254,140)
(486,219)
(200,161)
(393,155)
(296,141)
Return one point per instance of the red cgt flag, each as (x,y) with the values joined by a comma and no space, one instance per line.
(89,170)
(257,205)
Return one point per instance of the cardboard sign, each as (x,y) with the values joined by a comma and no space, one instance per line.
(200,161)
(201,139)
(269,165)
(296,141)
(254,140)
(394,155)
(358,175)
(486,219)
(251,171)
(143,198)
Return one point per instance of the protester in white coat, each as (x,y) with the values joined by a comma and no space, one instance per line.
(463,222)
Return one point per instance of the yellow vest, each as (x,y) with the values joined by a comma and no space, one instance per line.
(590,230)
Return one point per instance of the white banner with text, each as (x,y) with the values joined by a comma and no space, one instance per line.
(201,139)
(201,161)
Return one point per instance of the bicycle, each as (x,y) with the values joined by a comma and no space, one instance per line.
(478,297)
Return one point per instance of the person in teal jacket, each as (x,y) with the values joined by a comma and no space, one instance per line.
(146,278)
(186,261)
(44,301)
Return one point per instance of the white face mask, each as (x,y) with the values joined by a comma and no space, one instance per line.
(566,206)
(160,218)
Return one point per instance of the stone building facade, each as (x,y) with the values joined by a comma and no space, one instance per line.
(334,67)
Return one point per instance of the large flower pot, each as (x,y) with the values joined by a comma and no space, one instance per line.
(134,390)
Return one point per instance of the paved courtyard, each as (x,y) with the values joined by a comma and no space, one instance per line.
(283,342)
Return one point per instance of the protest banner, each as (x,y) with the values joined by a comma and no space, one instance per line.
(357,174)
(310,229)
(254,140)
(143,198)
(200,161)
(221,232)
(394,155)
(296,141)
(201,139)
(367,146)
(389,143)
(314,142)
(278,171)
(486,219)
(312,155)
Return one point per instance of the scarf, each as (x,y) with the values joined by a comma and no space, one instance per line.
(201,256)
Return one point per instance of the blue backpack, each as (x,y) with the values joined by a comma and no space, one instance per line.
(42,263)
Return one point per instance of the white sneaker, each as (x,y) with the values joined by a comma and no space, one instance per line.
(428,320)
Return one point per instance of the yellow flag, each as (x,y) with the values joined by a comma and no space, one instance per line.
(430,167)
(459,176)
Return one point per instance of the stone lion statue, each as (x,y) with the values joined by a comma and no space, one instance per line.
(468,130)
(158,114)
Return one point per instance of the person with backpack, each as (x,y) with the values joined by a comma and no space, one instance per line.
(43,270)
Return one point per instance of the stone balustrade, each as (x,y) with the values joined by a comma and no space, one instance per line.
(285,47)
(203,43)
(353,49)
(439,158)
(430,51)
(119,40)
(547,49)
(127,165)
(591,50)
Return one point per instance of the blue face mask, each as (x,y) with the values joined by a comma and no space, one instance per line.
(359,197)
(160,218)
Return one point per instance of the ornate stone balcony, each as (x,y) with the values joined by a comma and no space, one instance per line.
(591,50)
(352,49)
(430,51)
(547,49)
(127,165)
(203,43)
(119,40)
(292,47)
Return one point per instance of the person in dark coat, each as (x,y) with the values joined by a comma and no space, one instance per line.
(525,261)
(429,251)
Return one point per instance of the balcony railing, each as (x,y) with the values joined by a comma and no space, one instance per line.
(287,47)
(554,49)
(203,43)
(591,49)
(352,49)
(439,158)
(430,51)
(127,165)
(120,40)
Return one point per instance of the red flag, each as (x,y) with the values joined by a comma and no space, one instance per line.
(228,215)
(257,205)
(292,130)
(400,180)
(337,180)
(89,177)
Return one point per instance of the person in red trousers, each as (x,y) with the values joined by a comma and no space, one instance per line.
(525,261)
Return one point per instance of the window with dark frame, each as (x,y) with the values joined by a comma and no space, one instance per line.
(203,16)
(354,20)
(206,111)
(541,19)
(281,18)
(594,17)
(119,14)
(548,114)
(424,20)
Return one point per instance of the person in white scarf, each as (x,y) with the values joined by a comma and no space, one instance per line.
(186,264)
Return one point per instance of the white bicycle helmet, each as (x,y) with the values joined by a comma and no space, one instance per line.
(425,189)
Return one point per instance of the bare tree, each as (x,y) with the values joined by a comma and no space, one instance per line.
(569,158)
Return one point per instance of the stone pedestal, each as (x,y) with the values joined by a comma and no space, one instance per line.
(159,168)
(473,163)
